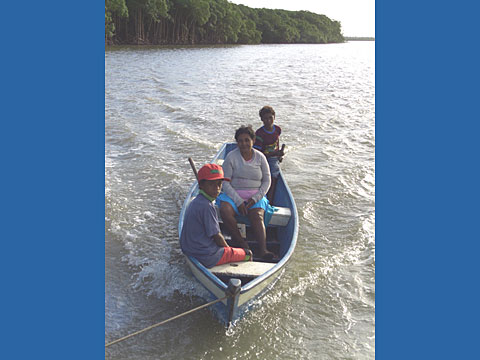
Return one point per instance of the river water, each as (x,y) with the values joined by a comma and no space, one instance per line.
(164,104)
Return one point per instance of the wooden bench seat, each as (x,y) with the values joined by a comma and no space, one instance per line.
(242,268)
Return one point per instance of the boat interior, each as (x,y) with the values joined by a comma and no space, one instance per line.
(273,244)
(279,236)
(247,271)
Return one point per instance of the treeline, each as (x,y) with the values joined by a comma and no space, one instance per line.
(157,22)
(360,38)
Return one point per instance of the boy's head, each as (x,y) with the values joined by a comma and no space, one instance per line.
(210,178)
(267,114)
(266,110)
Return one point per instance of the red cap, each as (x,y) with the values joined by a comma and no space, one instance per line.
(211,172)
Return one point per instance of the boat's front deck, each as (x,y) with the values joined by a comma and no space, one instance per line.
(245,270)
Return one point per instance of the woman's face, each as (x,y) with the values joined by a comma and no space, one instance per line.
(244,142)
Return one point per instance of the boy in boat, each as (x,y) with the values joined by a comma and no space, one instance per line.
(267,141)
(201,236)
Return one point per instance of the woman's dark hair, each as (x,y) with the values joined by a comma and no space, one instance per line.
(265,110)
(245,129)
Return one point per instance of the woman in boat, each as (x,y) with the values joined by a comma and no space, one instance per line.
(245,194)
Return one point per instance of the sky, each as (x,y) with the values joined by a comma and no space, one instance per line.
(357,17)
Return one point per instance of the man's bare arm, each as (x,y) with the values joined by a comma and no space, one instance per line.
(220,240)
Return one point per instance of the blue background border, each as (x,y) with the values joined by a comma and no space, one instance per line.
(426,180)
(52,180)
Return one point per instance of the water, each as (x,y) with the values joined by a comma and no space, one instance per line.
(164,104)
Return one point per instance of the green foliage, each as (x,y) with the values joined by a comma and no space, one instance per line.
(248,33)
(200,11)
(156,9)
(117,8)
(212,22)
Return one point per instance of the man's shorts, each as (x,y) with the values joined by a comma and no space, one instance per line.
(232,254)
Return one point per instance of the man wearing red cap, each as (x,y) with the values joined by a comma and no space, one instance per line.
(201,236)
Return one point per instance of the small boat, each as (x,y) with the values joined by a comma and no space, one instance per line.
(244,282)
